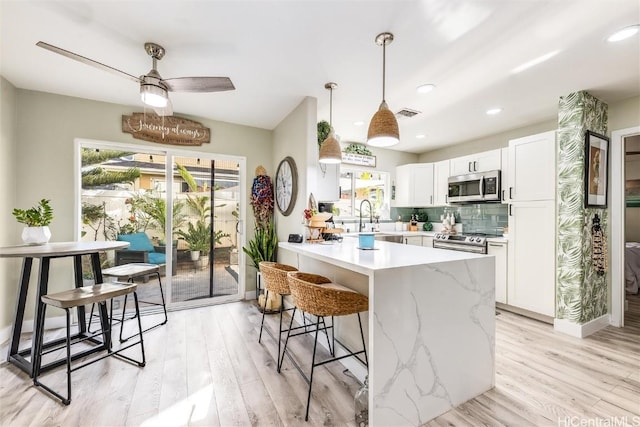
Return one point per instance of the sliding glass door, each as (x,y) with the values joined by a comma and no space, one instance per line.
(184,207)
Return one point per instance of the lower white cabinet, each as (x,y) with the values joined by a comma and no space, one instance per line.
(532,278)
(412,240)
(427,241)
(499,250)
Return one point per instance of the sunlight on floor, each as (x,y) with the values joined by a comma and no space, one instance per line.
(192,409)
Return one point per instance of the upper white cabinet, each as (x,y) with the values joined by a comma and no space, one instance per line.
(504,175)
(328,183)
(532,168)
(480,162)
(441,175)
(414,185)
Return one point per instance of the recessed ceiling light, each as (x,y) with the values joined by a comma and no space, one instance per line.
(425,88)
(494,111)
(421,136)
(358,123)
(536,61)
(624,33)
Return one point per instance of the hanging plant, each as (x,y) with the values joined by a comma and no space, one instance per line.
(358,149)
(323,131)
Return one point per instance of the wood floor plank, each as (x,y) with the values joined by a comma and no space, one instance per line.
(206,367)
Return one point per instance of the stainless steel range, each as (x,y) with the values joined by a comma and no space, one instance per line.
(465,243)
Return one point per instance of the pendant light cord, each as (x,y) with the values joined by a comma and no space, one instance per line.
(384,67)
(331,106)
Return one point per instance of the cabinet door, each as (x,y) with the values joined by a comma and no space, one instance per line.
(422,184)
(328,183)
(499,250)
(486,161)
(532,167)
(427,241)
(461,165)
(531,260)
(504,175)
(440,183)
(413,240)
(403,186)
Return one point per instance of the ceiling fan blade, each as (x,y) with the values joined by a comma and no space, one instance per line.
(164,111)
(199,84)
(87,61)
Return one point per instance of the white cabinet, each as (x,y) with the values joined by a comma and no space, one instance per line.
(530,186)
(414,185)
(440,182)
(504,175)
(532,168)
(531,260)
(480,162)
(328,183)
(427,241)
(499,250)
(412,240)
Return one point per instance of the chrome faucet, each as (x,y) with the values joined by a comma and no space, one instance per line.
(370,214)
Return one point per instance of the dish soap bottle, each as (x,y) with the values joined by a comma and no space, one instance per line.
(399,223)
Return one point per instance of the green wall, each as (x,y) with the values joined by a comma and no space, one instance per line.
(581,294)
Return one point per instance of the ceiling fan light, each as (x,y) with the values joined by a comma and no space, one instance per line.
(154,96)
(330,151)
(383,128)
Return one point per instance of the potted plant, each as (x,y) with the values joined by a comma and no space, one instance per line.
(36,221)
(198,237)
(264,245)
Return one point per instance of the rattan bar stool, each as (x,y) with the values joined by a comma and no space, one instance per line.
(318,296)
(275,280)
(66,300)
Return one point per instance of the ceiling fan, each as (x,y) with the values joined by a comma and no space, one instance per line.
(153,88)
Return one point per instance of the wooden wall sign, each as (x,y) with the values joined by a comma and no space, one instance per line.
(165,130)
(359,159)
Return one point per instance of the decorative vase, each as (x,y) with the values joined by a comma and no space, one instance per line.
(195,255)
(36,235)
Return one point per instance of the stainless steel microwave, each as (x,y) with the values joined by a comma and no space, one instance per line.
(474,187)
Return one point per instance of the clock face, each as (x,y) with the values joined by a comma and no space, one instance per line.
(286,185)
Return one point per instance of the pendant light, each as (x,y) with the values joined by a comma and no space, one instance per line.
(330,151)
(383,128)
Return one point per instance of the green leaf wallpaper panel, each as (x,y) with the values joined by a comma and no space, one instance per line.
(581,295)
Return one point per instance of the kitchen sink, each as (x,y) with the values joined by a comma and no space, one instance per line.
(394,238)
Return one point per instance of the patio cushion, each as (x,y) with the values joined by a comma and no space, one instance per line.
(157,258)
(137,242)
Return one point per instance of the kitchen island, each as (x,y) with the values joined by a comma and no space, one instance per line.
(430,328)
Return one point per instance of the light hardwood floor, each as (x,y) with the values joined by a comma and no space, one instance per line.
(206,368)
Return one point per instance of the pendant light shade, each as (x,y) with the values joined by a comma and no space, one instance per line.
(383,128)
(330,151)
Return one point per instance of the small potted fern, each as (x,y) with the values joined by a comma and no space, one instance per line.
(36,221)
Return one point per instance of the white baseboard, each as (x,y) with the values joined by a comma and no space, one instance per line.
(27,327)
(581,330)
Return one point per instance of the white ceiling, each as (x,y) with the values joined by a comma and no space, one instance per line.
(277,52)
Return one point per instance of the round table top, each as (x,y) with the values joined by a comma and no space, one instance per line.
(60,249)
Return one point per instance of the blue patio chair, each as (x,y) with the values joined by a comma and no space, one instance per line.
(140,250)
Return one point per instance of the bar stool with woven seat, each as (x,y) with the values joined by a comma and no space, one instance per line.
(275,280)
(318,296)
(66,300)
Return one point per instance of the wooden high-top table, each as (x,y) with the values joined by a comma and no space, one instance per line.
(45,253)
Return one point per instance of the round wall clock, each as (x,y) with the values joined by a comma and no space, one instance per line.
(286,185)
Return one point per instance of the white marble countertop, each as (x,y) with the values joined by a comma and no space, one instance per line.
(386,255)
